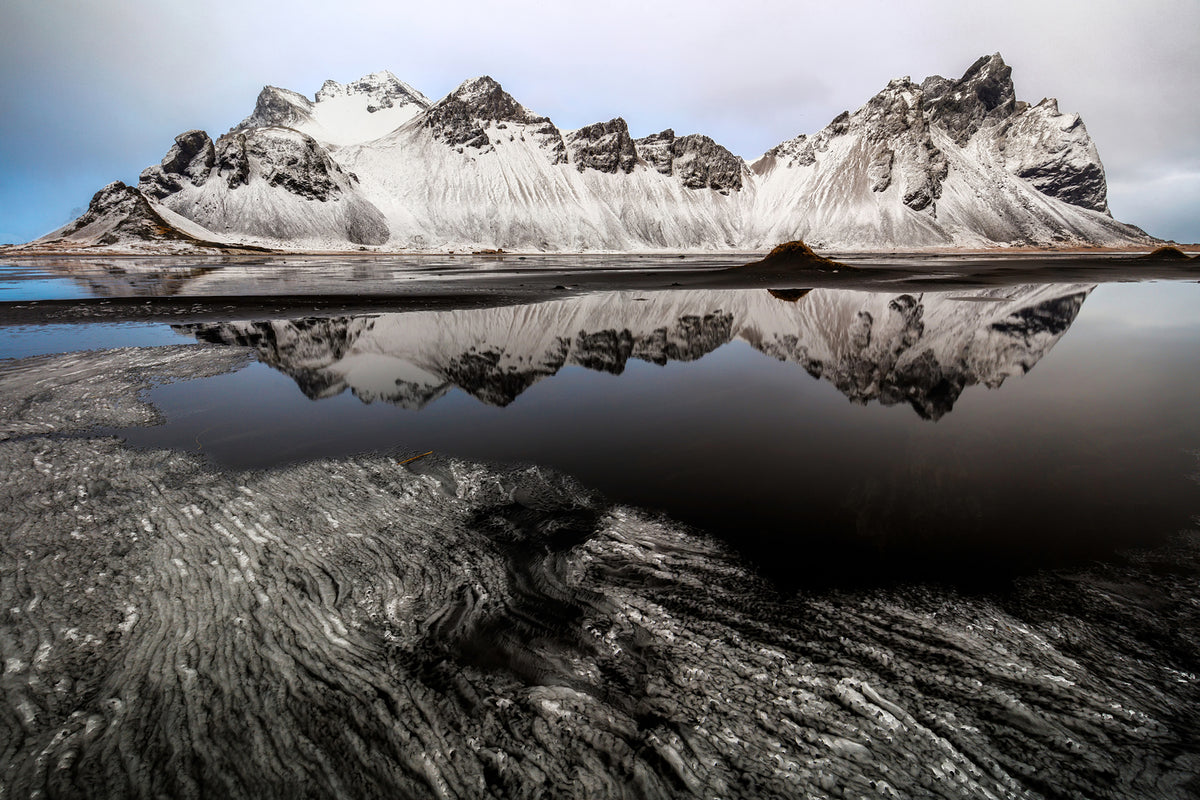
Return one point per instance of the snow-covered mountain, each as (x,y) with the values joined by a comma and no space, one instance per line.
(920,349)
(375,164)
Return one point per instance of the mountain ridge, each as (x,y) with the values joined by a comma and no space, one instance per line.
(376,164)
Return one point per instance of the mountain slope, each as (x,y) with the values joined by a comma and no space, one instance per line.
(373,163)
(124,218)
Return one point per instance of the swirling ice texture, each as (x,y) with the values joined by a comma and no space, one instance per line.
(365,628)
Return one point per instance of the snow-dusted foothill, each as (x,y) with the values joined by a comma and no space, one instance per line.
(953,163)
(122,217)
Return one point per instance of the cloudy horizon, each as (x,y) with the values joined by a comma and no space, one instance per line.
(95,93)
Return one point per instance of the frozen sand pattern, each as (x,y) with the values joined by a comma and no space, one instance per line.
(357,627)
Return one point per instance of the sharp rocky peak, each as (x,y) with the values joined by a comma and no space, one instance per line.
(461,118)
(698,161)
(382,89)
(603,146)
(982,95)
(276,106)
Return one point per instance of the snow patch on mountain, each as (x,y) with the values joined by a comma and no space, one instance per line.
(341,114)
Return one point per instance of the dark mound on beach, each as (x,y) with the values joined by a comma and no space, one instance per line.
(795,255)
(1167,253)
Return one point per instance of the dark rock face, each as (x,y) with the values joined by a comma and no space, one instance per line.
(285,158)
(895,125)
(984,93)
(460,118)
(604,146)
(1086,187)
(1054,152)
(655,150)
(701,163)
(191,158)
(276,106)
(130,217)
(233,163)
(302,168)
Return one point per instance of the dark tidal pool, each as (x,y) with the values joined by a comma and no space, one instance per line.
(833,438)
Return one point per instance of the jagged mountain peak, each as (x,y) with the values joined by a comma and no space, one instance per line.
(342,114)
(485,99)
(603,146)
(277,106)
(982,95)
(462,119)
(381,90)
(473,89)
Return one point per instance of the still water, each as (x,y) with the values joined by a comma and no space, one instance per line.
(834,437)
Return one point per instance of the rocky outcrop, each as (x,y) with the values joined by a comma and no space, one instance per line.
(267,172)
(701,163)
(1050,150)
(983,95)
(604,146)
(1054,153)
(121,215)
(279,156)
(655,150)
(277,107)
(190,159)
(461,119)
(698,161)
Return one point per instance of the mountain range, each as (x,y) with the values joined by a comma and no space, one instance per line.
(375,164)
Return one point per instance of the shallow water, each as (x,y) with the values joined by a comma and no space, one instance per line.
(1001,433)
(812,543)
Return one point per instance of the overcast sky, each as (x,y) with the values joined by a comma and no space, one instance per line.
(94,90)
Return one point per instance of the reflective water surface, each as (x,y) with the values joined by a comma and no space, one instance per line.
(829,435)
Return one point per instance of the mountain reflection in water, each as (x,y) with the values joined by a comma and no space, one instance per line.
(752,449)
(919,349)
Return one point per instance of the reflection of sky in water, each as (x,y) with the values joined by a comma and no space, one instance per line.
(40,289)
(1153,303)
(20,341)
(1090,450)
